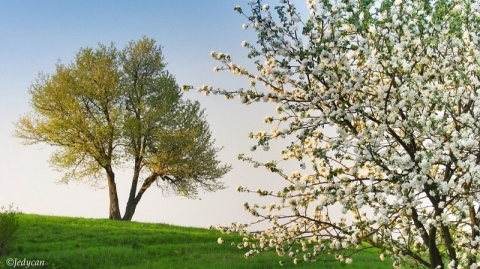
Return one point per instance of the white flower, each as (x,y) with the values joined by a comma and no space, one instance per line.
(321,84)
(220,240)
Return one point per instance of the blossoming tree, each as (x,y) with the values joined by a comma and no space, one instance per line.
(382,100)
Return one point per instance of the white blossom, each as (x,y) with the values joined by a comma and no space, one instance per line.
(379,106)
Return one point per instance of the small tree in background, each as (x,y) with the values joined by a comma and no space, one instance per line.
(109,108)
(382,100)
(8,229)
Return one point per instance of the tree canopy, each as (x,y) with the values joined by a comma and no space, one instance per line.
(113,108)
(381,100)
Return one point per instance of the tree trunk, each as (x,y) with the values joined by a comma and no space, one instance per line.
(112,190)
(131,203)
(133,200)
(129,211)
(436,261)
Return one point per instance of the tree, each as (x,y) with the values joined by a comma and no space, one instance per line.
(381,100)
(109,108)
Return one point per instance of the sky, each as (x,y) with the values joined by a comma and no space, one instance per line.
(35,35)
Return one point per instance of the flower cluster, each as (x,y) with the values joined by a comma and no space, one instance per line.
(382,98)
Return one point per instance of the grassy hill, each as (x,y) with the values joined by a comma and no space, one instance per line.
(64,242)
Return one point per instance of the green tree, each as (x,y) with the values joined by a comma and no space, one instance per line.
(109,108)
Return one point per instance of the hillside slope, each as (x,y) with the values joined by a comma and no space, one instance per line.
(65,242)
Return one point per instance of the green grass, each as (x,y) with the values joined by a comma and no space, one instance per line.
(64,242)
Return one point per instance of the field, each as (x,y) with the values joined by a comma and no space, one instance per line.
(64,242)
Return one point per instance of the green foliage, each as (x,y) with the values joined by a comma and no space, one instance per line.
(78,109)
(99,243)
(8,229)
(114,107)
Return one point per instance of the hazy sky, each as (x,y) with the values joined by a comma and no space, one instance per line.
(35,34)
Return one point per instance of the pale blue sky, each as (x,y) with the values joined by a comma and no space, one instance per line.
(35,34)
